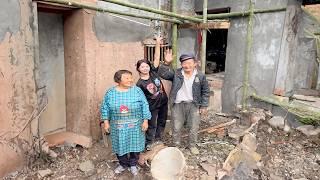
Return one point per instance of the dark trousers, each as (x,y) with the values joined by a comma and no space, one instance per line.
(188,113)
(129,159)
(157,123)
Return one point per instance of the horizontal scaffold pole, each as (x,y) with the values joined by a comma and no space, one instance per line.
(153,10)
(240,14)
(104,10)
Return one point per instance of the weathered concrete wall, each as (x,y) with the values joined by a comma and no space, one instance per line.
(18,99)
(285,70)
(267,34)
(305,64)
(187,38)
(51,72)
(114,28)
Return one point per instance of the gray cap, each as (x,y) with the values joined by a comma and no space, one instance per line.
(185,57)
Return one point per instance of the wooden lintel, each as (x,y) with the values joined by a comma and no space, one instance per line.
(56,6)
(209,25)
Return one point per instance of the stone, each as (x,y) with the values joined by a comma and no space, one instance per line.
(277,122)
(86,166)
(257,115)
(287,128)
(275,177)
(250,141)
(194,150)
(309,130)
(44,173)
(268,113)
(242,172)
(206,177)
(211,169)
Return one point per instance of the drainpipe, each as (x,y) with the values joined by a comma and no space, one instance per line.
(174,35)
(247,59)
(204,37)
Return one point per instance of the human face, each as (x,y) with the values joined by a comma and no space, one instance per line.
(188,65)
(126,81)
(144,68)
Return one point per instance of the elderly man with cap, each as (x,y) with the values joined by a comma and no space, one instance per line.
(189,96)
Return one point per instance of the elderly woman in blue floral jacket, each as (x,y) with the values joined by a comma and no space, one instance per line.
(125,113)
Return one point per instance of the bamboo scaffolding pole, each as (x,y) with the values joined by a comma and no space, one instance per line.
(103,10)
(307,115)
(174,36)
(240,14)
(204,37)
(247,58)
(153,10)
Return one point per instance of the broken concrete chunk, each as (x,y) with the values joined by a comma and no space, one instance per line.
(86,166)
(309,130)
(44,173)
(242,172)
(250,141)
(277,122)
(211,169)
(275,177)
(206,177)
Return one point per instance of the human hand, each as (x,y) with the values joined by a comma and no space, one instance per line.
(144,125)
(203,111)
(159,40)
(106,126)
(168,56)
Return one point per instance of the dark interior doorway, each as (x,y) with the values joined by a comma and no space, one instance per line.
(216,50)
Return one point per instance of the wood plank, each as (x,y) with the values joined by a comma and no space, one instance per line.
(209,25)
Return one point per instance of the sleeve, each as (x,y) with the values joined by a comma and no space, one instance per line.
(205,92)
(154,69)
(146,114)
(166,72)
(105,108)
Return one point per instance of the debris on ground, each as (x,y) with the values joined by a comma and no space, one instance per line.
(44,173)
(260,151)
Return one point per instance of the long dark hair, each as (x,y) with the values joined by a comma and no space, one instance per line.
(142,61)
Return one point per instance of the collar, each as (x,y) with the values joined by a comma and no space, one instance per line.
(195,72)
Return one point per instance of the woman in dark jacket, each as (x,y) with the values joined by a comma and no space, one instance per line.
(151,85)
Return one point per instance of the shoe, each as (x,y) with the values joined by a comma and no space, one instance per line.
(194,150)
(119,169)
(134,170)
(148,147)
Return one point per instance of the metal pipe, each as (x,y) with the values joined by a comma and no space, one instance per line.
(153,10)
(174,36)
(240,14)
(204,37)
(95,8)
(247,58)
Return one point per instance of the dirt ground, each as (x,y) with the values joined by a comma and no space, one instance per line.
(289,155)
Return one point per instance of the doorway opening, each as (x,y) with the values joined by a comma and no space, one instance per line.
(51,81)
(216,57)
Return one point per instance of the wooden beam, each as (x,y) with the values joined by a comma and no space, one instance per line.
(209,25)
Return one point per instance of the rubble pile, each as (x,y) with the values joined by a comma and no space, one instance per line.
(252,145)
